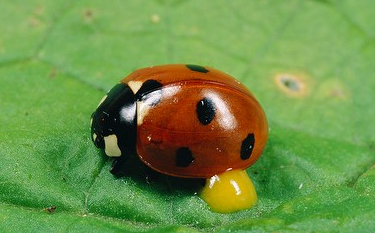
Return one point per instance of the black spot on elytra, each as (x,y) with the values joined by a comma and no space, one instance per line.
(205,111)
(247,146)
(184,157)
(150,92)
(197,68)
(147,87)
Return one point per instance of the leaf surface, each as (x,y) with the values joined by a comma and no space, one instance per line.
(309,63)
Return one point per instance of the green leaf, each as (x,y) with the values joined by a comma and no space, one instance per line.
(309,63)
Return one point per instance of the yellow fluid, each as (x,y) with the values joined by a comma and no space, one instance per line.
(230,191)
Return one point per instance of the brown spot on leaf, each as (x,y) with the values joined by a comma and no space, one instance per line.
(88,15)
(50,209)
(52,73)
(291,84)
(39,10)
(337,93)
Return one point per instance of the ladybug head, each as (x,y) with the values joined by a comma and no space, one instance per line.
(113,124)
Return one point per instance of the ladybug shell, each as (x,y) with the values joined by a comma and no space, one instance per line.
(196,122)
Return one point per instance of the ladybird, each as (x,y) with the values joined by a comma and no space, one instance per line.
(186,121)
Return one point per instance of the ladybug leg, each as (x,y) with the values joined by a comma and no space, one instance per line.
(132,166)
(117,168)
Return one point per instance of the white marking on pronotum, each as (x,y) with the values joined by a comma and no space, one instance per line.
(142,110)
(94,136)
(135,85)
(111,146)
(91,121)
(102,100)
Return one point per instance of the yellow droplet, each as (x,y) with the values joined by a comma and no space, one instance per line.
(230,191)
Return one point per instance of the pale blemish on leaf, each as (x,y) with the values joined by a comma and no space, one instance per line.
(287,208)
(155,18)
(334,89)
(34,21)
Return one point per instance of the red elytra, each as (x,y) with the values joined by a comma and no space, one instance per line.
(197,122)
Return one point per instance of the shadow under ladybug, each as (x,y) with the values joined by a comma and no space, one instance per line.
(134,168)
